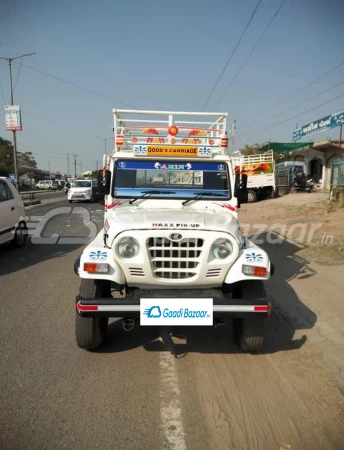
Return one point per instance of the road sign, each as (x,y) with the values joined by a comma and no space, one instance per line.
(13,118)
(12,177)
(332,121)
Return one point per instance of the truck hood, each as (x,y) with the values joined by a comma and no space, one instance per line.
(132,218)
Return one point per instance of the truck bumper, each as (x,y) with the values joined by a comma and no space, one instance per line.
(130,306)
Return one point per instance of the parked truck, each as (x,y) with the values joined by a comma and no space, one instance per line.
(260,170)
(172,254)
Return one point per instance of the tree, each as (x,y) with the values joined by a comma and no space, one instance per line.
(6,157)
(251,149)
(26,162)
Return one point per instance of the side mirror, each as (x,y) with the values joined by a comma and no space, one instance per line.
(240,188)
(104,182)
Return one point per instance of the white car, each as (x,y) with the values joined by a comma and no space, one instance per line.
(46,184)
(12,215)
(81,190)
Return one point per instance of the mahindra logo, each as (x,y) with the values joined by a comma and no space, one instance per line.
(175,236)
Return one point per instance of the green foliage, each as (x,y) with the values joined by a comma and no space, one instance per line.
(6,157)
(251,149)
(26,162)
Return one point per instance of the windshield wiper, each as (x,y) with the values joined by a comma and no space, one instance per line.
(149,193)
(209,194)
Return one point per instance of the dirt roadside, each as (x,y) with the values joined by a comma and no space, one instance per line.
(307,220)
(309,262)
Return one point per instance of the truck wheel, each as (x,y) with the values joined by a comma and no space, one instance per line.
(251,330)
(91,331)
(252,196)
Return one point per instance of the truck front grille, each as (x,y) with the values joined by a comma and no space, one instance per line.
(174,260)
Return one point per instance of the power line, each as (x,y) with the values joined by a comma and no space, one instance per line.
(250,54)
(294,93)
(77,86)
(312,98)
(231,56)
(291,118)
(43,151)
(34,135)
(21,62)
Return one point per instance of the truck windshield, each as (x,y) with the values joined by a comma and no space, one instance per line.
(171,179)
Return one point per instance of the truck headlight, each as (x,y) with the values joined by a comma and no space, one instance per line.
(128,247)
(222,248)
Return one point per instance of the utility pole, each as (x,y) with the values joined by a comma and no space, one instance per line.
(104,139)
(68,165)
(75,156)
(340,136)
(49,170)
(97,162)
(233,135)
(15,156)
(80,167)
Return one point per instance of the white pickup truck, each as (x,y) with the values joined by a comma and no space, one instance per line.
(12,215)
(172,254)
(260,170)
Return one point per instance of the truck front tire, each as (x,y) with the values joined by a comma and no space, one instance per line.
(251,330)
(91,331)
(252,196)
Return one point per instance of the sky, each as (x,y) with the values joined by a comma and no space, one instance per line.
(166,55)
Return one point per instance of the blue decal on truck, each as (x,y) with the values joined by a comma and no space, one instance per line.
(254,257)
(98,256)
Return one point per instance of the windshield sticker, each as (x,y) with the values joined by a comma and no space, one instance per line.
(175,225)
(159,166)
(170,165)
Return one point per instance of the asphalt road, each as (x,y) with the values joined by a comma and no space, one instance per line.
(148,389)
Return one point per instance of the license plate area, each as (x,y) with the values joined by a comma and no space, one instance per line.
(176,311)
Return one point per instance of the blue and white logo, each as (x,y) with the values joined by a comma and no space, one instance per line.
(140,150)
(157,165)
(188,166)
(254,257)
(154,312)
(176,311)
(122,165)
(205,151)
(98,256)
(221,167)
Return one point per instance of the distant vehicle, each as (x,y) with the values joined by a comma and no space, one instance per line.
(296,166)
(260,170)
(82,190)
(60,184)
(303,182)
(12,226)
(47,184)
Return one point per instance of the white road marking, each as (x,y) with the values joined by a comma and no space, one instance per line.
(170,410)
